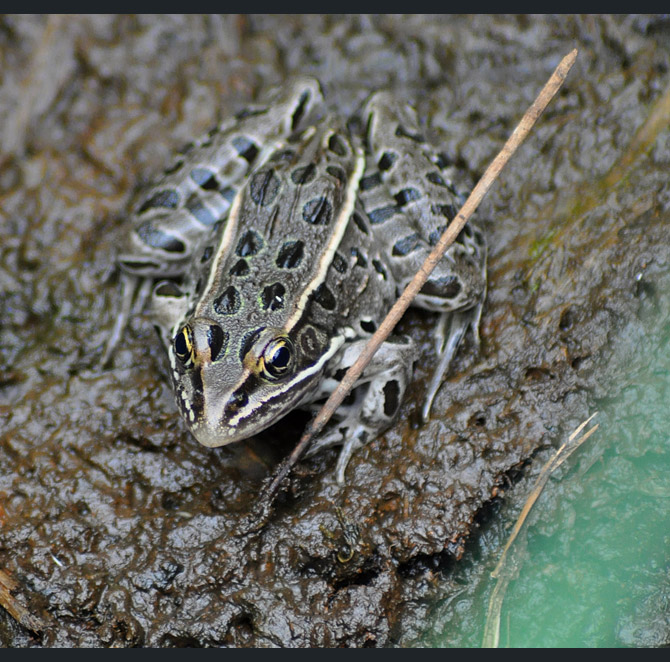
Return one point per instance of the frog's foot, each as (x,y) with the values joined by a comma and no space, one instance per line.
(134,292)
(351,433)
(449,333)
(376,398)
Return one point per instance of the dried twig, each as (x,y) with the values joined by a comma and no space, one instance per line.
(31,621)
(505,569)
(514,141)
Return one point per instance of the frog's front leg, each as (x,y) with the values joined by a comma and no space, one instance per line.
(134,291)
(376,397)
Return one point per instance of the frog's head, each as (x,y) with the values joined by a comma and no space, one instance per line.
(230,391)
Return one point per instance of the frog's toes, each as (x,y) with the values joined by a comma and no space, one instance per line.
(351,434)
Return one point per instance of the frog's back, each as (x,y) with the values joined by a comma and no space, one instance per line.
(287,252)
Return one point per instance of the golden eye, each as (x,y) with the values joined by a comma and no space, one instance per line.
(183,345)
(275,362)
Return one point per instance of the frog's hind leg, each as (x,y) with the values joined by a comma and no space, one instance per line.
(410,202)
(376,398)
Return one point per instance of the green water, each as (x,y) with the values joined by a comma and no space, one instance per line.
(594,561)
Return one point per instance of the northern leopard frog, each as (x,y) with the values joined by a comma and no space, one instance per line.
(282,240)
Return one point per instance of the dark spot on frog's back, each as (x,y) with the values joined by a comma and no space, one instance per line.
(168,199)
(246,148)
(387,160)
(157,238)
(406,195)
(406,245)
(228,193)
(337,145)
(229,302)
(435,235)
(337,172)
(370,181)
(250,243)
(290,254)
(204,178)
(304,174)
(199,211)
(239,269)
(272,297)
(382,214)
(436,178)
(324,297)
(264,187)
(318,211)
(168,289)
(217,339)
(360,222)
(448,211)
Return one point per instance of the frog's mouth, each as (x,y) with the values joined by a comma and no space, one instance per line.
(243,416)
(252,405)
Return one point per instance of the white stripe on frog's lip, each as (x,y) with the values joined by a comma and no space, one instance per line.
(220,432)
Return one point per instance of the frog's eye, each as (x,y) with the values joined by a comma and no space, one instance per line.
(183,345)
(275,362)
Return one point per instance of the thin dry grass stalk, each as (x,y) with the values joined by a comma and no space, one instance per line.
(513,142)
(507,566)
(9,588)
